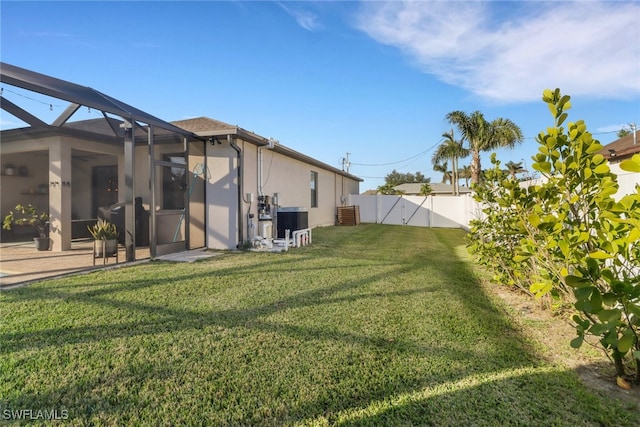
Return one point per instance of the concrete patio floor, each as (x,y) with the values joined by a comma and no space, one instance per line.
(21,262)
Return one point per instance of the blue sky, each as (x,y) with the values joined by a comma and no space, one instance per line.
(374,79)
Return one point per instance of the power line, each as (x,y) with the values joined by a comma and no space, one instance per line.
(399,161)
(435,145)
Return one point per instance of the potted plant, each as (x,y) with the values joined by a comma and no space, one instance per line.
(30,215)
(105,235)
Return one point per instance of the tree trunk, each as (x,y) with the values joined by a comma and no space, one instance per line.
(475,167)
(619,364)
(454,171)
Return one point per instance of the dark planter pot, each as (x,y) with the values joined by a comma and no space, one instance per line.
(42,243)
(110,248)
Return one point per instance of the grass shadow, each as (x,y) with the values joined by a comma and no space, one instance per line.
(332,333)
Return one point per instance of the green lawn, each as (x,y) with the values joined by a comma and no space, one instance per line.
(371,325)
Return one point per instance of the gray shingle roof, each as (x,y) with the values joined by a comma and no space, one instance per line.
(622,148)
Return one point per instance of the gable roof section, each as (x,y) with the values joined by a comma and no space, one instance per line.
(207,127)
(622,148)
(75,94)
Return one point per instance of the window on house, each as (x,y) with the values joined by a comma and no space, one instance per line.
(314,189)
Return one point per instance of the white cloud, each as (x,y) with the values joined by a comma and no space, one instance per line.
(510,52)
(307,20)
(613,128)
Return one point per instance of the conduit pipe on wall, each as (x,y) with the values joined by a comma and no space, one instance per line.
(260,171)
(271,143)
(233,145)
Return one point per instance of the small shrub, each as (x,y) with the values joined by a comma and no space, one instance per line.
(27,215)
(568,237)
(103,230)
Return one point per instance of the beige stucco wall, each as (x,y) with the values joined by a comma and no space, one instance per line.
(16,188)
(222,197)
(627,181)
(289,178)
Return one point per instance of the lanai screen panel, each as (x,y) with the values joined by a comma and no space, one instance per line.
(77,94)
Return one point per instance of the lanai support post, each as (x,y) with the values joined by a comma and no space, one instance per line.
(152,177)
(60,196)
(129,191)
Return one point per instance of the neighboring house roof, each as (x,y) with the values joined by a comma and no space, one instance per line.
(207,127)
(622,148)
(437,188)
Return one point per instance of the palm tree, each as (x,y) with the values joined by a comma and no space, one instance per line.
(514,168)
(465,172)
(426,189)
(482,135)
(444,168)
(623,132)
(386,189)
(450,149)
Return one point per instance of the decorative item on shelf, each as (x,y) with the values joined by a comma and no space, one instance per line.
(43,188)
(105,242)
(9,169)
(30,215)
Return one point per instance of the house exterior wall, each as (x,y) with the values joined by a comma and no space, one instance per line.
(627,181)
(221,192)
(197,200)
(223,220)
(25,189)
(279,174)
(291,179)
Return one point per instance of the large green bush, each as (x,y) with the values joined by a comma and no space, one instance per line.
(568,237)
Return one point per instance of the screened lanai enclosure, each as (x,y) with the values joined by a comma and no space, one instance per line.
(81,155)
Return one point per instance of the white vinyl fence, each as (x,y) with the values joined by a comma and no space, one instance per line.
(418,211)
(445,211)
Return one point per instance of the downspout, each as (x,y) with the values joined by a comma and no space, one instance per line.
(233,145)
(260,171)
